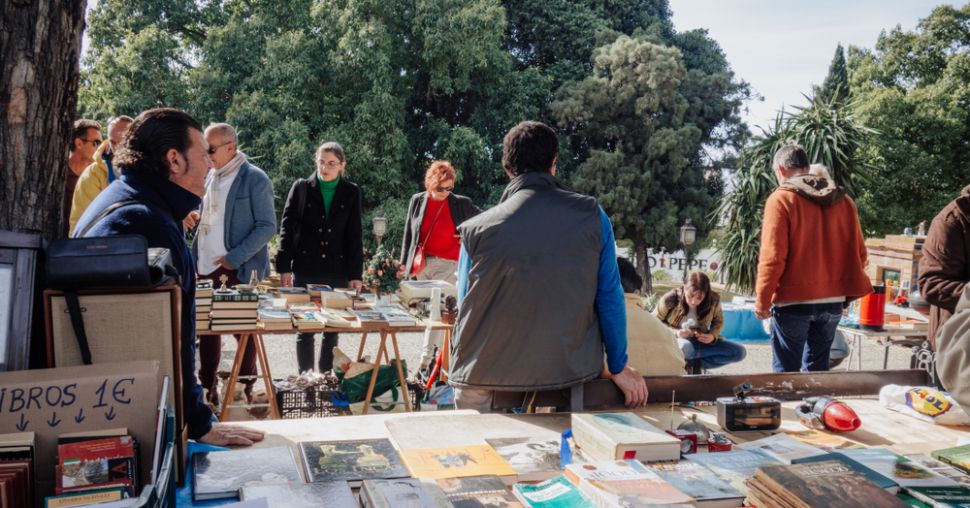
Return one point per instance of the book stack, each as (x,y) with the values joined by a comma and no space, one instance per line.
(334,318)
(17,470)
(294,295)
(331,298)
(826,483)
(395,316)
(233,310)
(99,465)
(418,289)
(203,303)
(623,483)
(274,315)
(304,316)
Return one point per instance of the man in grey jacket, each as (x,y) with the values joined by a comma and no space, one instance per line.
(953,352)
(539,288)
(235,225)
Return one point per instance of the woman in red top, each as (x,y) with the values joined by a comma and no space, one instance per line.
(433,218)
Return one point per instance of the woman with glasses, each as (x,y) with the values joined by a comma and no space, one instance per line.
(431,243)
(321,240)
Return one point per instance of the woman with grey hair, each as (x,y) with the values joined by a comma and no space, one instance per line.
(321,240)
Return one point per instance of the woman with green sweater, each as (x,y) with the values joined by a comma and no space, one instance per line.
(321,240)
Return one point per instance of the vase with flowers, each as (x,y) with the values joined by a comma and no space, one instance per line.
(384,273)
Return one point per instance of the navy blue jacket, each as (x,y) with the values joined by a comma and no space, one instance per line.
(159,220)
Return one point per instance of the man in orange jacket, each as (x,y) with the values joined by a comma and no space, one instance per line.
(812,261)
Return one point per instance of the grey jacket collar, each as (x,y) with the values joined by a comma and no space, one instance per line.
(532,180)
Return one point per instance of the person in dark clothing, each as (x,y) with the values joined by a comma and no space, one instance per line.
(944,269)
(163,163)
(321,240)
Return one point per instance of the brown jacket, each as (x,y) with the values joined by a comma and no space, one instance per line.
(672,310)
(811,245)
(944,268)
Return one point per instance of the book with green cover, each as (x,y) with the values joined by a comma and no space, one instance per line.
(882,481)
(958,457)
(940,468)
(553,493)
(956,495)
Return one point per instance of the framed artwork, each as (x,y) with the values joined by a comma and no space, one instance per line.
(19,253)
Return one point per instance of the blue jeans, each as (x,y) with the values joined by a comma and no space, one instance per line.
(795,326)
(712,356)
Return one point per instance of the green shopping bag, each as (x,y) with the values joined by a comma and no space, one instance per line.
(355,388)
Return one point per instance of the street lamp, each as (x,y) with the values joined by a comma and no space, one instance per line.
(688,234)
(380,226)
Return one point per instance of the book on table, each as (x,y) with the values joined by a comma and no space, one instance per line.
(396,316)
(555,492)
(940,468)
(220,475)
(817,484)
(457,462)
(872,475)
(615,436)
(294,295)
(958,457)
(898,469)
(623,483)
(402,493)
(735,466)
(351,461)
(534,460)
(302,495)
(700,483)
(335,319)
(952,496)
(478,492)
(782,448)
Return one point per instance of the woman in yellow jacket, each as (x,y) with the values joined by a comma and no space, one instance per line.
(695,312)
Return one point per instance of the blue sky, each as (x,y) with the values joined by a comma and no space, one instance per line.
(782,47)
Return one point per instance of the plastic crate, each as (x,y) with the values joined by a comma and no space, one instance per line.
(312,402)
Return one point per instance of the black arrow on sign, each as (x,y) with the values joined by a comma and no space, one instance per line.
(110,415)
(80,416)
(23,423)
(54,421)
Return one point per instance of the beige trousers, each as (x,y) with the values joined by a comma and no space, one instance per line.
(435,269)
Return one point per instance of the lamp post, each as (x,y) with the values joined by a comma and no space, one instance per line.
(688,234)
(380,226)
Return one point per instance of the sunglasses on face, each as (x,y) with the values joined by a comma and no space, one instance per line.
(445,189)
(213,149)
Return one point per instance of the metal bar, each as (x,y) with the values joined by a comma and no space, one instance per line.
(603,393)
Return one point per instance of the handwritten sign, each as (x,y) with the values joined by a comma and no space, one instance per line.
(52,402)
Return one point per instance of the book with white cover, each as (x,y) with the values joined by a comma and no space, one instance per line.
(616,436)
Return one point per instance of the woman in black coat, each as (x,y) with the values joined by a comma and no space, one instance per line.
(321,241)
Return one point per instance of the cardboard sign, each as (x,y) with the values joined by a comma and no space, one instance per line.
(52,402)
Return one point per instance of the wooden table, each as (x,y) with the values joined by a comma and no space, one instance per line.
(383,330)
(888,336)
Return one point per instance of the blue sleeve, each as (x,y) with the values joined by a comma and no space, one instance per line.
(610,304)
(464,266)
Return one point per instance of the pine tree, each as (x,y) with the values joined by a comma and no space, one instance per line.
(835,88)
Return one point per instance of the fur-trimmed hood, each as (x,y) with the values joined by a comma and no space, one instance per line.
(819,190)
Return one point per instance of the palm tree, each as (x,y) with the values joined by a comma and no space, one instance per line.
(830,134)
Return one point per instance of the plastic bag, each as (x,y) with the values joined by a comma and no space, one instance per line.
(925,403)
(355,388)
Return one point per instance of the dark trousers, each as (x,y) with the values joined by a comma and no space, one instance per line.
(801,336)
(305,341)
(210,346)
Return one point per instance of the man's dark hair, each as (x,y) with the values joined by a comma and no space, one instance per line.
(81,128)
(791,157)
(151,136)
(629,278)
(529,147)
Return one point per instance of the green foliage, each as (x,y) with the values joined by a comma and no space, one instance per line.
(915,86)
(831,135)
(384,272)
(835,88)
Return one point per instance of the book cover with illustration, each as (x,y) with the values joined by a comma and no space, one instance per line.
(401,493)
(534,460)
(782,448)
(108,462)
(700,483)
(351,461)
(478,492)
(940,468)
(475,460)
(898,469)
(958,457)
(557,492)
(828,483)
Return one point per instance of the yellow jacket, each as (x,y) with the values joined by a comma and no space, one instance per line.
(92,181)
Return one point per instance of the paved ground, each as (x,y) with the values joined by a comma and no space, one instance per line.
(281,350)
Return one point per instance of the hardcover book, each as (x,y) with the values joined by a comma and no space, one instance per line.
(616,436)
(958,457)
(534,460)
(401,493)
(557,492)
(351,461)
(220,475)
(72,499)
(956,495)
(782,448)
(334,319)
(898,469)
(700,483)
(820,485)
(478,492)
(735,466)
(302,495)
(940,468)
(458,462)
(872,475)
(97,463)
(623,483)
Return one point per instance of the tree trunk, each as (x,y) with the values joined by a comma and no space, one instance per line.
(40,44)
(643,267)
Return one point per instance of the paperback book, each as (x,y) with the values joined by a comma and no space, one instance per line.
(940,468)
(616,436)
(700,483)
(220,475)
(302,495)
(457,462)
(735,466)
(782,448)
(478,492)
(900,470)
(351,461)
(623,483)
(401,493)
(958,457)
(556,492)
(534,460)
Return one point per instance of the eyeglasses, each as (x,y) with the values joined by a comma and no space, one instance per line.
(330,165)
(445,189)
(213,149)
